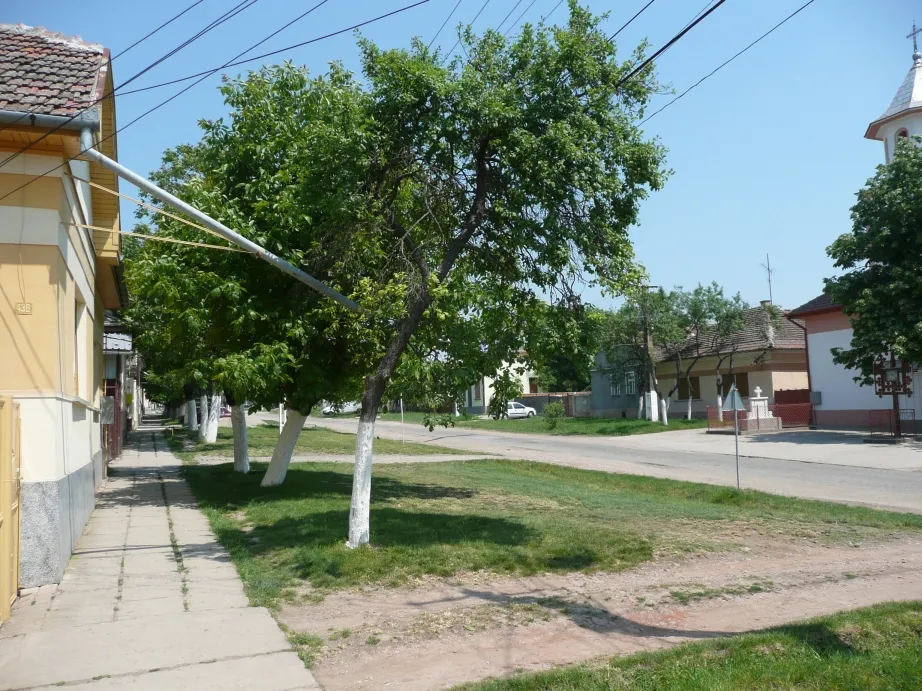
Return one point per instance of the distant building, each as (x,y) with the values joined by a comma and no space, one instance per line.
(614,394)
(476,398)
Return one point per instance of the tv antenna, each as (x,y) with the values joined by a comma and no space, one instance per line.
(768,269)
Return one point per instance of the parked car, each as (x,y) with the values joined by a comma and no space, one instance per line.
(517,410)
(337,408)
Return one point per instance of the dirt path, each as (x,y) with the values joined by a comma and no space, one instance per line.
(446,632)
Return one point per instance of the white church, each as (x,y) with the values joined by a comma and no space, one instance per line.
(838,400)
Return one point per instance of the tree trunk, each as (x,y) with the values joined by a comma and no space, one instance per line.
(284,448)
(203,410)
(241,451)
(191,415)
(689,417)
(641,405)
(360,511)
(210,422)
(665,402)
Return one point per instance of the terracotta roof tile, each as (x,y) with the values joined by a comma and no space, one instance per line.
(48,73)
(756,336)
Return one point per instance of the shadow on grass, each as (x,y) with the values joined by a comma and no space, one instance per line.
(823,640)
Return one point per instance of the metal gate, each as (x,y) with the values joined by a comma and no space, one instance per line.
(9,504)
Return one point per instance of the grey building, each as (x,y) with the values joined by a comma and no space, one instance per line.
(613,395)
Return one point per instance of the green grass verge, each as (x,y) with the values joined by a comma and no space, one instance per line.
(619,427)
(262,440)
(610,427)
(870,649)
(501,516)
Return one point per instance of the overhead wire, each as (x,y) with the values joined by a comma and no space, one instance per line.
(675,39)
(476,16)
(509,14)
(631,20)
(203,76)
(113,59)
(516,22)
(548,15)
(727,62)
(280,50)
(234,11)
(447,19)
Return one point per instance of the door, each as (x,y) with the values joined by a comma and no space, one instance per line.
(9,504)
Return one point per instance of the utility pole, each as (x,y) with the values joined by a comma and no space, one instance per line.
(768,268)
(653,405)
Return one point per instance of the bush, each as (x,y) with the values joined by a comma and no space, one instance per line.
(552,413)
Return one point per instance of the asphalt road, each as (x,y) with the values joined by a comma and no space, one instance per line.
(896,487)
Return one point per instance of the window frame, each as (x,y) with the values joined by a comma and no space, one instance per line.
(630,383)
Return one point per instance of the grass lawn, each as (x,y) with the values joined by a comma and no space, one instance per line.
(501,516)
(869,649)
(262,441)
(612,427)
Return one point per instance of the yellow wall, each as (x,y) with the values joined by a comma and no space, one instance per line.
(29,344)
(789,380)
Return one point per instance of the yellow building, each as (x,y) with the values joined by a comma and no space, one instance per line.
(57,278)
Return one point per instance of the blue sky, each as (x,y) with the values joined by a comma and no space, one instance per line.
(767,154)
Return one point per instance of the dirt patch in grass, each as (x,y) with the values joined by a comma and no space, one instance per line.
(449,631)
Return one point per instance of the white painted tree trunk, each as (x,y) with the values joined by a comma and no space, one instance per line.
(689,414)
(241,451)
(284,448)
(191,415)
(203,409)
(360,514)
(664,404)
(211,420)
(640,406)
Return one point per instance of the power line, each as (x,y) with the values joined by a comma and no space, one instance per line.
(629,21)
(237,9)
(508,14)
(114,58)
(548,15)
(516,22)
(471,24)
(447,19)
(202,78)
(727,62)
(280,50)
(675,39)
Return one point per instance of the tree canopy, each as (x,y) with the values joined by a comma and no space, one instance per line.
(881,283)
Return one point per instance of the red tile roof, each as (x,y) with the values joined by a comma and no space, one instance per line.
(823,303)
(758,334)
(48,73)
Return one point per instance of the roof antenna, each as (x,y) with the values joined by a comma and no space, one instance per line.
(768,269)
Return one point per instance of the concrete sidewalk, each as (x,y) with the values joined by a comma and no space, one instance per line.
(150,600)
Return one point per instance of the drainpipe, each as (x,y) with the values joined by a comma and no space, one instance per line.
(87,143)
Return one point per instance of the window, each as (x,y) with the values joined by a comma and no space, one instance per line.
(516,406)
(742,384)
(630,383)
(902,134)
(616,388)
(694,384)
(532,385)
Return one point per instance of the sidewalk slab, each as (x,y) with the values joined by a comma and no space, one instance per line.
(150,600)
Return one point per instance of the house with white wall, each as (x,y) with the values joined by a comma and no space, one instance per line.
(839,401)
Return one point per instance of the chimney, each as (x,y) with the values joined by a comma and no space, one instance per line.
(765,303)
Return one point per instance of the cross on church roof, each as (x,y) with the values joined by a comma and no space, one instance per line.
(915,32)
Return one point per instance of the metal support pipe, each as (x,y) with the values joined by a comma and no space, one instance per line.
(86,143)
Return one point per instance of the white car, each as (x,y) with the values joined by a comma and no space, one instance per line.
(336,409)
(517,410)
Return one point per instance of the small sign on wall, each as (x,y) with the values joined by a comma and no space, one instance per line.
(107,410)
(23,308)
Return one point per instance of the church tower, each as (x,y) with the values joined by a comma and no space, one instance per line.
(904,116)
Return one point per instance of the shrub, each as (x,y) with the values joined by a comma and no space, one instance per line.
(552,413)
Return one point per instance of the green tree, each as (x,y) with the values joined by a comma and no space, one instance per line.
(881,259)
(517,168)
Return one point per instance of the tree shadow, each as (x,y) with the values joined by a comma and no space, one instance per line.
(823,640)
